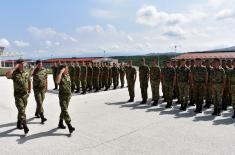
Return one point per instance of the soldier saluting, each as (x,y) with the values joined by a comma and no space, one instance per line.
(63,79)
(22,89)
(39,87)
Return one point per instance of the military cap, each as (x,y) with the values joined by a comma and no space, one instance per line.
(38,61)
(19,61)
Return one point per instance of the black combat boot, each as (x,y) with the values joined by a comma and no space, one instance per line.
(26,129)
(144,101)
(122,86)
(219,112)
(207,105)
(43,119)
(215,112)
(19,125)
(37,115)
(61,124)
(233,114)
(84,92)
(77,91)
(155,103)
(131,100)
(71,129)
(168,105)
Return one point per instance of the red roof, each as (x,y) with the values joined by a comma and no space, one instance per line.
(207,55)
(68,60)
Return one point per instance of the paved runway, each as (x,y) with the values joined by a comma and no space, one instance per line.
(107,125)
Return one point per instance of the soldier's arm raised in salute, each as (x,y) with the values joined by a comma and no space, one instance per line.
(58,78)
(10,72)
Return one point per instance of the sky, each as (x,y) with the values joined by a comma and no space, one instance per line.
(56,28)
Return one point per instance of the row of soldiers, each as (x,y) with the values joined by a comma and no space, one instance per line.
(86,77)
(191,82)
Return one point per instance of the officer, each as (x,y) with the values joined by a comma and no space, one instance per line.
(39,74)
(191,92)
(89,76)
(54,69)
(96,75)
(22,89)
(183,76)
(232,86)
(110,75)
(208,87)
(155,73)
(218,81)
(83,78)
(100,65)
(131,79)
(144,80)
(63,79)
(199,83)
(122,75)
(106,76)
(72,76)
(115,73)
(169,79)
(77,77)
(226,99)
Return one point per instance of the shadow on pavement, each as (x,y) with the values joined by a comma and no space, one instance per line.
(49,133)
(177,113)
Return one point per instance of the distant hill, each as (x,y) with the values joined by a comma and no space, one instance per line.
(226,49)
(162,54)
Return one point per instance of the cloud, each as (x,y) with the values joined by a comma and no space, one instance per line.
(4,42)
(175,31)
(150,16)
(49,33)
(225,14)
(90,28)
(21,44)
(104,14)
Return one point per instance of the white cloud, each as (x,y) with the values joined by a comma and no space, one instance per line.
(104,14)
(4,42)
(90,28)
(20,43)
(49,33)
(175,31)
(130,38)
(225,14)
(149,15)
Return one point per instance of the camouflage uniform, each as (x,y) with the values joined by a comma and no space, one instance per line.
(191,91)
(72,77)
(115,73)
(64,97)
(54,72)
(208,87)
(40,88)
(89,77)
(183,82)
(21,80)
(77,77)
(110,77)
(106,77)
(101,78)
(83,78)
(96,75)
(131,73)
(232,86)
(122,76)
(155,73)
(217,83)
(168,84)
(144,80)
(226,98)
(199,75)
